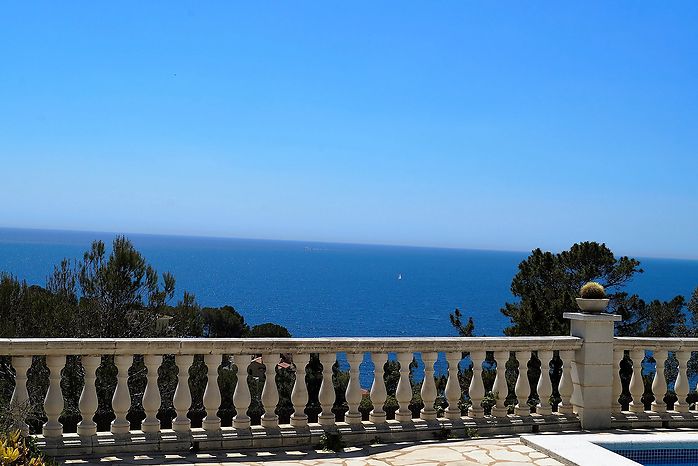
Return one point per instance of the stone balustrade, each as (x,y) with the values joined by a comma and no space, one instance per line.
(242,434)
(590,379)
(665,401)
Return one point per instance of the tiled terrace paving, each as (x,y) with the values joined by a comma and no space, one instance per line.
(490,451)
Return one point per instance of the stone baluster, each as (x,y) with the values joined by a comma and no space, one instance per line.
(121,401)
(565,388)
(353,393)
(241,396)
(299,395)
(618,356)
(499,387)
(428,392)
(637,386)
(151,395)
(53,403)
(476,390)
(681,386)
(522,389)
(87,427)
(403,394)
(20,395)
(378,391)
(326,395)
(182,396)
(659,386)
(212,395)
(270,393)
(453,390)
(545,387)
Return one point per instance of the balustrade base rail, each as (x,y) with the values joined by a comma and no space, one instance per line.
(648,419)
(258,437)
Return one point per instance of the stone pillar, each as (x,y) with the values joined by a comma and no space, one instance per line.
(565,388)
(182,395)
(212,395)
(88,398)
(428,392)
(637,386)
(476,391)
(20,396)
(592,372)
(378,392)
(453,390)
(681,386)
(53,403)
(522,389)
(151,395)
(121,401)
(499,388)
(403,393)
(353,393)
(545,387)
(327,395)
(241,395)
(659,383)
(270,392)
(299,395)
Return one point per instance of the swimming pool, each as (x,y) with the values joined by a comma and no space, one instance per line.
(660,456)
(622,448)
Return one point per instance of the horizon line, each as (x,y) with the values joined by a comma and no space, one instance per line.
(343,243)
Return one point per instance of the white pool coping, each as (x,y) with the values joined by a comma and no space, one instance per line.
(588,449)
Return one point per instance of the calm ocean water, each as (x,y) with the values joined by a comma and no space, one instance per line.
(317,289)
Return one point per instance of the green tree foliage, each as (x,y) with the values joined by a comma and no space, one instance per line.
(547,283)
(223,322)
(269,330)
(187,319)
(122,292)
(35,311)
(464,330)
(654,319)
(693,305)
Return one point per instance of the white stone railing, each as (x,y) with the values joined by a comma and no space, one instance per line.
(676,350)
(242,352)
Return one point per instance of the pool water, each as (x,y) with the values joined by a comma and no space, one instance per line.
(661,456)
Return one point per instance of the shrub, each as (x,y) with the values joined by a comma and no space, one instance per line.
(592,290)
(16,450)
(331,441)
(442,434)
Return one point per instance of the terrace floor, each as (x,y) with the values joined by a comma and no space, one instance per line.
(488,451)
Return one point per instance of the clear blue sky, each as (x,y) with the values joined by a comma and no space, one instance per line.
(498,125)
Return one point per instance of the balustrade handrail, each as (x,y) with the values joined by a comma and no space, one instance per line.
(651,343)
(157,346)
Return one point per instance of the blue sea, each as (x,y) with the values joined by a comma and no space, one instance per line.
(321,289)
